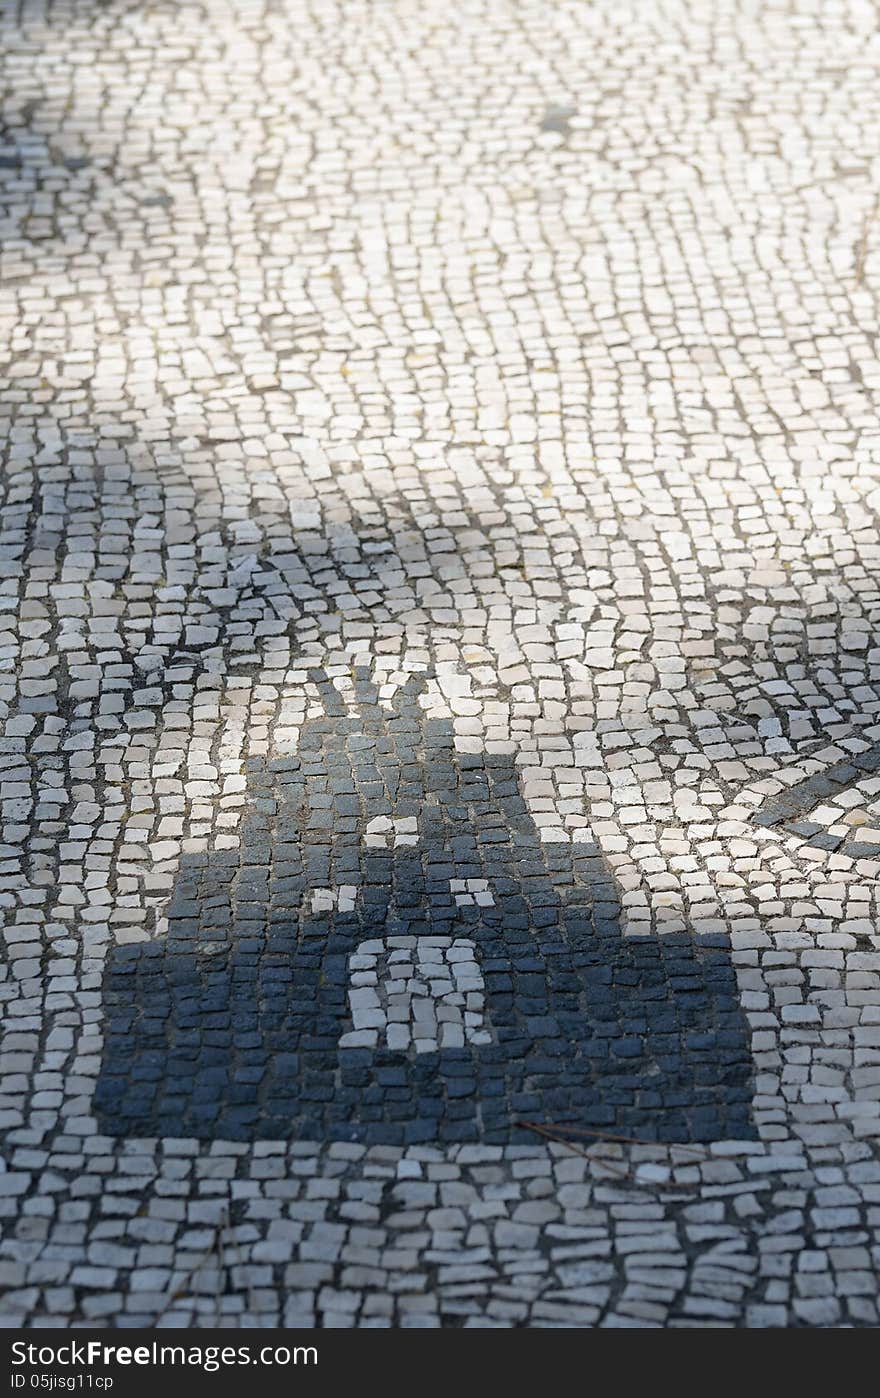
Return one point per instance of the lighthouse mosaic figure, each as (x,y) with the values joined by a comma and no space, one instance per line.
(394,956)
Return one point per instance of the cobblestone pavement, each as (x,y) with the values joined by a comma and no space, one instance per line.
(440,663)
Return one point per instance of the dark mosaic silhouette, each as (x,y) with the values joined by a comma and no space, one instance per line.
(231,1026)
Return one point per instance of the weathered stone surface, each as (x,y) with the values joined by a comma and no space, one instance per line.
(439,664)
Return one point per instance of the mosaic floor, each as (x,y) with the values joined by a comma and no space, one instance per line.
(440,663)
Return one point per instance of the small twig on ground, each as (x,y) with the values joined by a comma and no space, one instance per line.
(608,1162)
(861,253)
(242,1264)
(177,1293)
(562,1128)
(221,1271)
